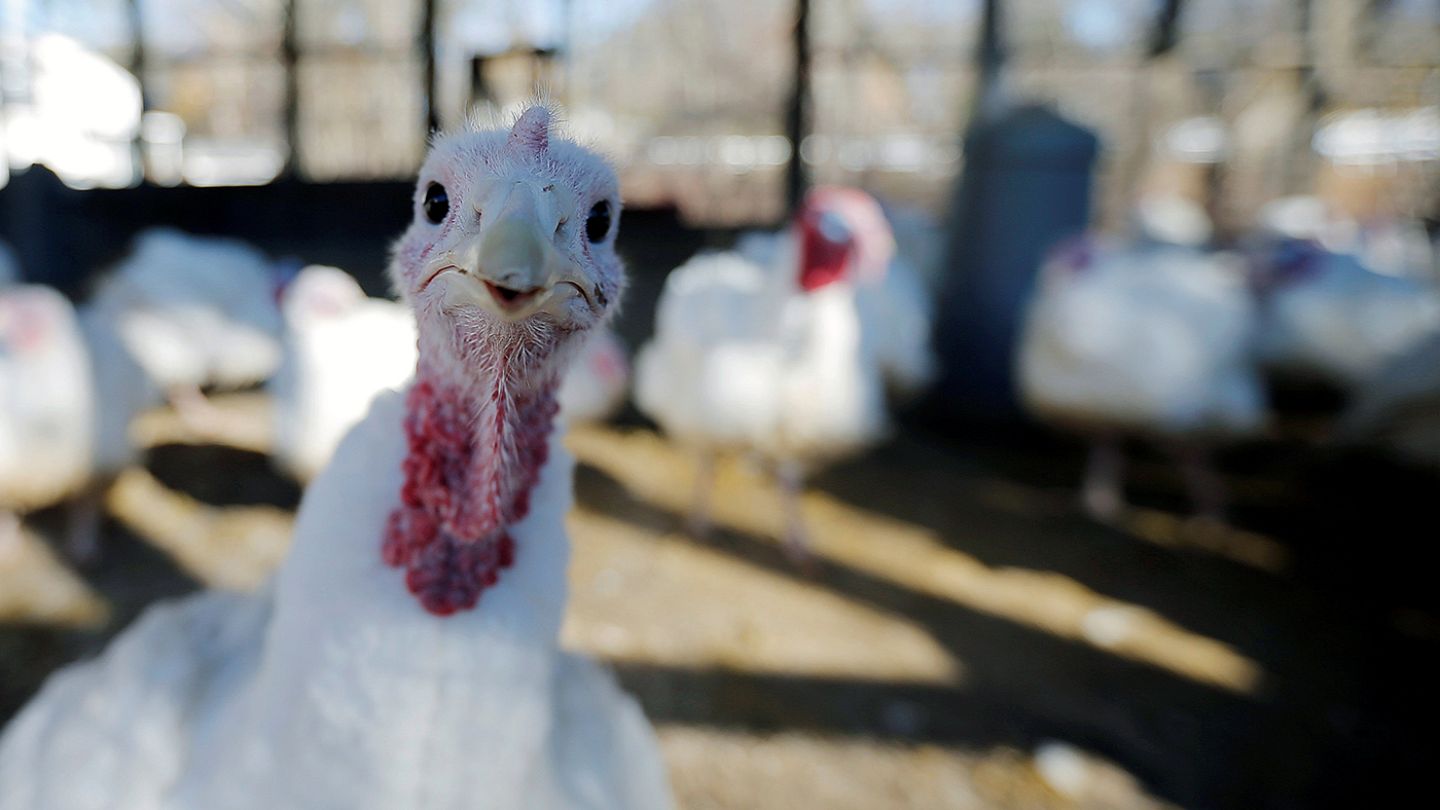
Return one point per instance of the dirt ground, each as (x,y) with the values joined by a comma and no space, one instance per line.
(967,640)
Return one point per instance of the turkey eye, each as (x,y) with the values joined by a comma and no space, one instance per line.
(598,224)
(437,203)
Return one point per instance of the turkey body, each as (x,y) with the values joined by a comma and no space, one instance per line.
(333,688)
(895,307)
(47,403)
(1338,322)
(192,311)
(741,360)
(1158,341)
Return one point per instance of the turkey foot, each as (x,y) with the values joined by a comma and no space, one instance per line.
(82,524)
(1203,483)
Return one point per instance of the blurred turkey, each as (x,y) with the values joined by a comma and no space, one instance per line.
(593,389)
(187,312)
(46,409)
(80,115)
(1327,317)
(894,301)
(1142,340)
(785,346)
(341,348)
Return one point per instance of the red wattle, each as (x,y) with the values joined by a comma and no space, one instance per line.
(465,486)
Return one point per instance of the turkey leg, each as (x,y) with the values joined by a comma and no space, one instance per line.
(1103,491)
(698,524)
(796,543)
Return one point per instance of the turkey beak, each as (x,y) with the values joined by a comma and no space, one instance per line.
(518,263)
(515,260)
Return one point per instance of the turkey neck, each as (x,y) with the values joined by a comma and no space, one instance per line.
(477,423)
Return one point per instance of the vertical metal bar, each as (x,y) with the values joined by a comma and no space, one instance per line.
(290,60)
(990,59)
(427,44)
(138,68)
(1165,34)
(1299,166)
(796,121)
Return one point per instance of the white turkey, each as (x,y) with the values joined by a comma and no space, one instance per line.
(47,418)
(897,309)
(80,112)
(406,654)
(342,348)
(1328,318)
(784,347)
(187,312)
(593,389)
(1156,342)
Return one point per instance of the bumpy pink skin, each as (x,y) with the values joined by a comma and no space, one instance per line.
(451,531)
(483,405)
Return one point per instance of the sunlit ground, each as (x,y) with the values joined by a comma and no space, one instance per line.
(967,640)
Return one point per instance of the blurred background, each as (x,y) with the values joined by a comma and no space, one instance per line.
(1152,523)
